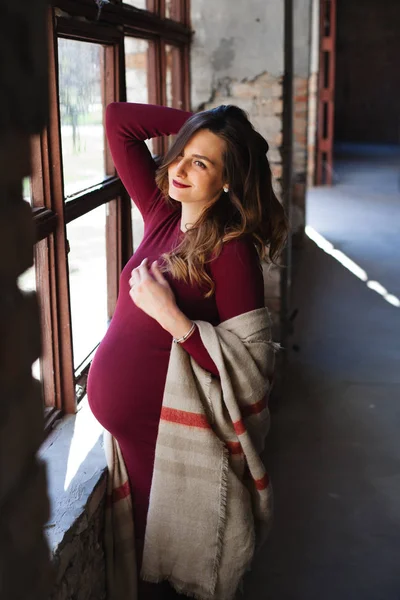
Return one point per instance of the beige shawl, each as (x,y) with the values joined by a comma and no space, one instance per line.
(119,538)
(211,500)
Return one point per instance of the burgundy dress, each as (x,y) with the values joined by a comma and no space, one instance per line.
(127,377)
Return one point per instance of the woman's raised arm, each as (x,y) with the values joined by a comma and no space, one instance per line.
(127,126)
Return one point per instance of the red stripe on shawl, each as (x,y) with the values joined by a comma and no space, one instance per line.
(234,447)
(182,417)
(119,493)
(254,409)
(239,427)
(247,411)
(262,483)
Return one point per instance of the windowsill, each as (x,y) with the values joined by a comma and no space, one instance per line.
(76,475)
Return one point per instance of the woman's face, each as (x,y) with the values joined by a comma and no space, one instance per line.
(196,174)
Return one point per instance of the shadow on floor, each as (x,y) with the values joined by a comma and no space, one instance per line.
(333,452)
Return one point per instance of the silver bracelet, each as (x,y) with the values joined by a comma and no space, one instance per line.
(184,337)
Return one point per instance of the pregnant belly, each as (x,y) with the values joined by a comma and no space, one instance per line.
(127,378)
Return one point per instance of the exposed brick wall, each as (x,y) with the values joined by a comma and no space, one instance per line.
(367,71)
(261,98)
(24,560)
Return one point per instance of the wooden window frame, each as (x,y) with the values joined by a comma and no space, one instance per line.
(51,212)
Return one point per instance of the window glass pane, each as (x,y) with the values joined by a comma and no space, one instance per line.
(136,62)
(173,93)
(172,60)
(168,74)
(168,5)
(137,3)
(136,73)
(137,227)
(81,108)
(88,281)
(27,283)
(26,189)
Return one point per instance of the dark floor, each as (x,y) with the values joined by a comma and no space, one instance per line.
(334,448)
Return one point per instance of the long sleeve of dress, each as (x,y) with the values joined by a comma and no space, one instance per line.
(239,288)
(128,125)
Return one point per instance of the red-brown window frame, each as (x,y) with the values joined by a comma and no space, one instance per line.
(50,211)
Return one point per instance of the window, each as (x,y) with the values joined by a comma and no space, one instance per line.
(86,228)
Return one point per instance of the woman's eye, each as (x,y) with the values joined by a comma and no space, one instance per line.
(201,164)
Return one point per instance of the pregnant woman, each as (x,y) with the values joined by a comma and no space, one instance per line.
(210,216)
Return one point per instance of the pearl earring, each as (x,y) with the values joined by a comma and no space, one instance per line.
(226,189)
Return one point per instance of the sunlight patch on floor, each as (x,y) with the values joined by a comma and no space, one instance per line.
(353,267)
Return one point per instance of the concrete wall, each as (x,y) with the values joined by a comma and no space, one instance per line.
(78,561)
(238,41)
(24,506)
(76,472)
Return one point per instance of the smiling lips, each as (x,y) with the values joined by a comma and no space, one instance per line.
(179,185)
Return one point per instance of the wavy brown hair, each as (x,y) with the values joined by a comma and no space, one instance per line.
(250,207)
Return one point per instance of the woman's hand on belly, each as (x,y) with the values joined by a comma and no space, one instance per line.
(151,292)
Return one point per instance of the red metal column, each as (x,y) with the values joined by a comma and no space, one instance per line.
(326,92)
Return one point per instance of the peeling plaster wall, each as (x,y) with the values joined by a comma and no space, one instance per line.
(234,41)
